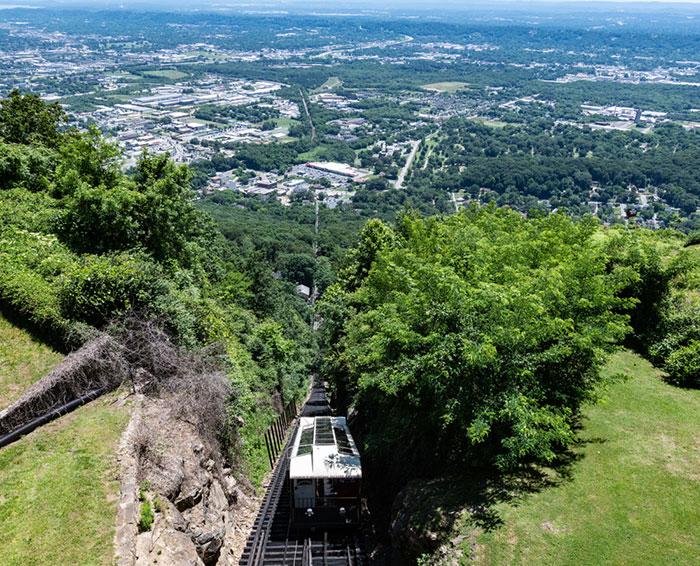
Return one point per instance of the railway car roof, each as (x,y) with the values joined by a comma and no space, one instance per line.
(324,448)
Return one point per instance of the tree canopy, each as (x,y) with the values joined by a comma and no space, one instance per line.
(25,119)
(474,339)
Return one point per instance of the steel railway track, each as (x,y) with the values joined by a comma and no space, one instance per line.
(272,542)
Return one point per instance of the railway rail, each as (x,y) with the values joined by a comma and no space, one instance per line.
(272,541)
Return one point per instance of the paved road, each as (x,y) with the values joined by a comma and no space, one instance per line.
(402,174)
(306,109)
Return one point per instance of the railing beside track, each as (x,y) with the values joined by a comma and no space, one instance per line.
(276,433)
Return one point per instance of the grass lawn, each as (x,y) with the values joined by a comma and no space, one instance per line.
(285,122)
(166,74)
(451,87)
(330,84)
(633,497)
(492,123)
(57,485)
(58,494)
(23,361)
(314,154)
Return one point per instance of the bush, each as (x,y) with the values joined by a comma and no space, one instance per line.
(157,505)
(146,521)
(683,365)
(101,287)
(693,238)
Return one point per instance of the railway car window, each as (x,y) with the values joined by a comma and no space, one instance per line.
(324,431)
(306,441)
(342,441)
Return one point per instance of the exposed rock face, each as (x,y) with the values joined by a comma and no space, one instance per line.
(168,543)
(196,520)
(420,520)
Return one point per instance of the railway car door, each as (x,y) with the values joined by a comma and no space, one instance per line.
(304,493)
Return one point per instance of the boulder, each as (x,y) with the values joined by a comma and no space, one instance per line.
(167,544)
(417,528)
(208,545)
(190,495)
(165,474)
(216,498)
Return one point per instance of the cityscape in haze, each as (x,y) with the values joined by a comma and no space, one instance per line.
(389,100)
(349,283)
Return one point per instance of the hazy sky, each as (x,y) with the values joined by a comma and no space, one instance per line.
(437,8)
(338,4)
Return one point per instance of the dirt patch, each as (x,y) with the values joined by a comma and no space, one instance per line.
(548,526)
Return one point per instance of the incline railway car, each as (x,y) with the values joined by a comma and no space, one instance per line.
(325,474)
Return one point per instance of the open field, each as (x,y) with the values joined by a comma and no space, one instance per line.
(23,361)
(450,87)
(492,123)
(633,495)
(284,122)
(58,494)
(314,154)
(166,74)
(330,84)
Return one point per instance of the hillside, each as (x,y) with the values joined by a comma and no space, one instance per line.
(58,484)
(532,446)
(630,495)
(23,361)
(122,271)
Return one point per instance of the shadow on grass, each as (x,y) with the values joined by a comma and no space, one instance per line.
(44,335)
(481,492)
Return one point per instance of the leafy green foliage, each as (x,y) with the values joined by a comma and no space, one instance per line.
(89,158)
(146,519)
(98,288)
(82,243)
(26,119)
(683,365)
(475,338)
(152,211)
(30,167)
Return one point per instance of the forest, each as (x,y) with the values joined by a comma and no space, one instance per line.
(526,164)
(83,247)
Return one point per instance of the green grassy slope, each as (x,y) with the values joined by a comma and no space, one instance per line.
(58,493)
(23,361)
(634,496)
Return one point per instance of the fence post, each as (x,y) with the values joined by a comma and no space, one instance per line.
(278,431)
(269,452)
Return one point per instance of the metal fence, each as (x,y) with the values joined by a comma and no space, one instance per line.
(276,434)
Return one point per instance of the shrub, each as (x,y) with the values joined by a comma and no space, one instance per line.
(693,238)
(101,287)
(157,505)
(146,521)
(683,365)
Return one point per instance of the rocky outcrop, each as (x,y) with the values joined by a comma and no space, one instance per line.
(422,520)
(195,499)
(168,543)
